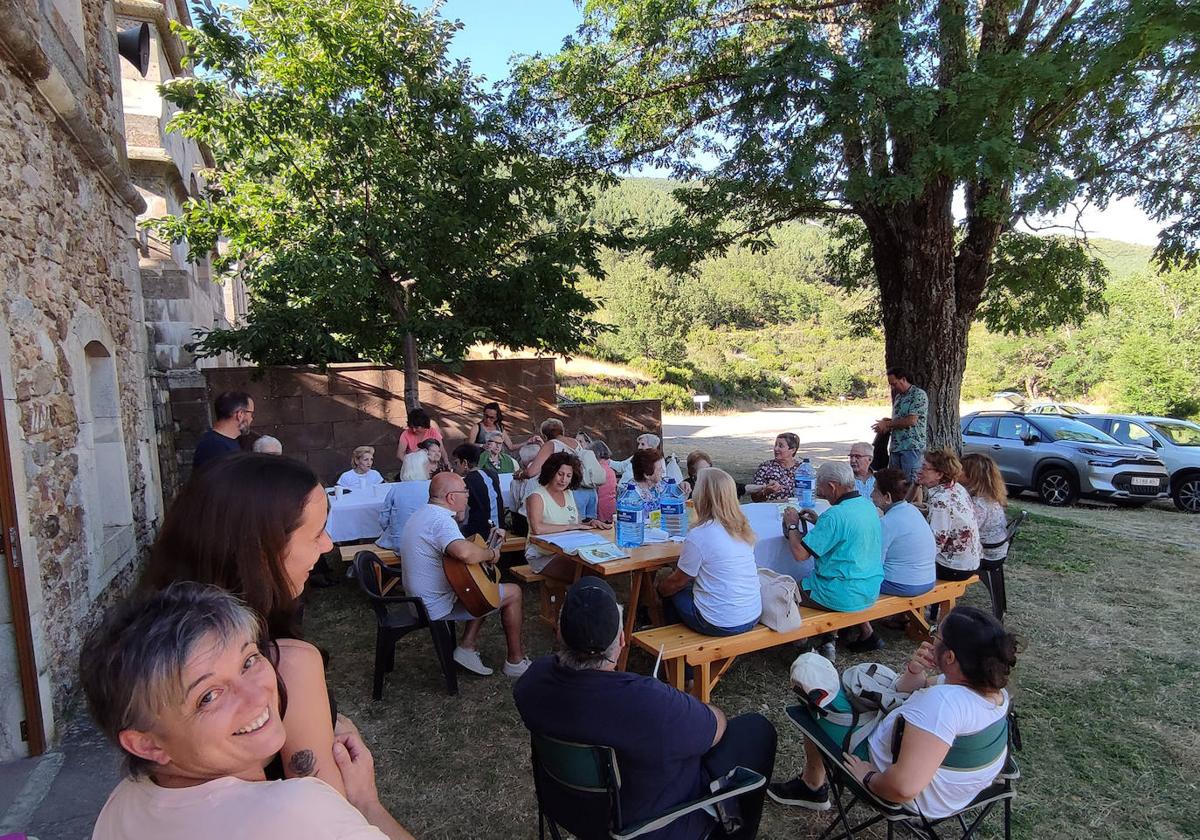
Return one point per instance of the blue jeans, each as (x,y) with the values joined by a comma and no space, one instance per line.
(906,590)
(908,461)
(682,607)
(585,500)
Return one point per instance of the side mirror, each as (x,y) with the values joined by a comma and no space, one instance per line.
(1030,439)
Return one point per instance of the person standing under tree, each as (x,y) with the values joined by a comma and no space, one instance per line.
(908,425)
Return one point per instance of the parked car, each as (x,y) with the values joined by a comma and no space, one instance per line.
(1176,442)
(1068,409)
(1061,458)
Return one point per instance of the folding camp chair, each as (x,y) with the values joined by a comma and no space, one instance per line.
(991,572)
(579,789)
(843,786)
(396,616)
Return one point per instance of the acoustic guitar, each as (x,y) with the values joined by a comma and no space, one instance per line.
(477,585)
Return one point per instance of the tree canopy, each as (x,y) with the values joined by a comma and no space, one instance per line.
(369,191)
(883,112)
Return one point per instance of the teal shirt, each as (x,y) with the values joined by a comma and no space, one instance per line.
(915,401)
(847,543)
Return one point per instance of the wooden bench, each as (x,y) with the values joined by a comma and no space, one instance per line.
(712,656)
(550,592)
(385,554)
(512,543)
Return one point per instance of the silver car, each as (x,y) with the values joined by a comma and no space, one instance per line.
(1176,442)
(1061,458)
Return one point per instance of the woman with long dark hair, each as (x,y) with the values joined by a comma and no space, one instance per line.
(254,525)
(970,658)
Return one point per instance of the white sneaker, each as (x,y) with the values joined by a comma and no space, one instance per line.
(470,660)
(516,669)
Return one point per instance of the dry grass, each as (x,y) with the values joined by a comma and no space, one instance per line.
(1107,689)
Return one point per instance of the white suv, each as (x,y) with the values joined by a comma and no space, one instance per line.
(1176,442)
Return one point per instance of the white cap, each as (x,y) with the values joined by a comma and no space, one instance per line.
(813,672)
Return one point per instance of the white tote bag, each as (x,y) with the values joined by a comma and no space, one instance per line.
(780,601)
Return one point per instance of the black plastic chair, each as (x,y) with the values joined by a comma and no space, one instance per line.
(579,789)
(398,615)
(846,792)
(991,572)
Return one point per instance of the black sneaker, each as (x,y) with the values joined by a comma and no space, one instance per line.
(872,642)
(796,792)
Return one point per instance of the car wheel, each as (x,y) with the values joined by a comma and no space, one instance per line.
(1187,494)
(1056,487)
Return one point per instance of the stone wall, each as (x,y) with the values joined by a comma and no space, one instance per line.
(72,340)
(320,417)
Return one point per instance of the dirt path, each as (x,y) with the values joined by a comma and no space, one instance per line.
(738,443)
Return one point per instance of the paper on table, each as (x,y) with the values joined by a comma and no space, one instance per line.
(572,541)
(601,553)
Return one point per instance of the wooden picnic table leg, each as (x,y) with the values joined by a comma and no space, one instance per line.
(675,672)
(653,603)
(701,682)
(635,591)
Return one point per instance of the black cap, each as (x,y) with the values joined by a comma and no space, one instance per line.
(590,619)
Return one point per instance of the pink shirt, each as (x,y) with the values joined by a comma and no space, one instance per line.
(606,494)
(412,439)
(231,809)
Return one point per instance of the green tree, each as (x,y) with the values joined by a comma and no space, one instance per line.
(372,196)
(882,112)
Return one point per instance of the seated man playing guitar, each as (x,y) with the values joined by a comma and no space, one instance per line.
(430,538)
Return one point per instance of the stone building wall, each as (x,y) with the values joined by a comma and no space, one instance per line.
(72,339)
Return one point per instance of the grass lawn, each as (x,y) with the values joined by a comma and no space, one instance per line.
(1104,686)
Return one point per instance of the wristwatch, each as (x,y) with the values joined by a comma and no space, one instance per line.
(795,527)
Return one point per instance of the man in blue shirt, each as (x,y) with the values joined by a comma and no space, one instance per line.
(846,544)
(669,745)
(235,413)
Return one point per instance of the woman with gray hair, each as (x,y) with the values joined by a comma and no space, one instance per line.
(178,682)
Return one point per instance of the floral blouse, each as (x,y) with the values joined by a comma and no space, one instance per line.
(993,527)
(955,530)
(772,470)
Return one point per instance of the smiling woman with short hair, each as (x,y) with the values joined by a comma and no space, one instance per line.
(177,681)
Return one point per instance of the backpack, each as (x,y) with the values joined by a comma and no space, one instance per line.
(593,474)
(868,694)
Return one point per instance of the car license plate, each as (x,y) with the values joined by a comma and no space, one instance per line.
(1142,481)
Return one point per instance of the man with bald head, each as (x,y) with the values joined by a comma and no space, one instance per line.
(861,455)
(431,532)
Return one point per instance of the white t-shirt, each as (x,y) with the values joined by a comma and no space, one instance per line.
(355,481)
(726,589)
(945,711)
(231,809)
(422,543)
(993,527)
(909,549)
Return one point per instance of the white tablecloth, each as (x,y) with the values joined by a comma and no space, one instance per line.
(770,549)
(355,515)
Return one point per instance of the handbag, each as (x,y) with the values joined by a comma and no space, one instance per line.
(593,474)
(780,601)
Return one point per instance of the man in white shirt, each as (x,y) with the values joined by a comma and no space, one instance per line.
(431,533)
(861,455)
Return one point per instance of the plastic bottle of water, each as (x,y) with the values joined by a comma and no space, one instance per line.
(674,510)
(631,518)
(804,484)
(653,509)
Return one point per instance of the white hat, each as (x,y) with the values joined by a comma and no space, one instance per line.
(813,672)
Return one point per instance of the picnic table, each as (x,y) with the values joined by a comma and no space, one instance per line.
(354,516)
(641,565)
(770,548)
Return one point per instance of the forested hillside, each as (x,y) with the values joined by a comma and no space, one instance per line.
(776,327)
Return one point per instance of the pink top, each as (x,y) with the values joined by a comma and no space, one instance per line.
(231,809)
(606,494)
(412,439)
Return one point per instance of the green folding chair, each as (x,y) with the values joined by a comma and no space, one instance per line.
(579,789)
(968,751)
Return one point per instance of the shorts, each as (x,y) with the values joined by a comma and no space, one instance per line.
(460,613)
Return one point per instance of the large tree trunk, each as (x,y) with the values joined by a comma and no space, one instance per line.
(925,320)
(412,373)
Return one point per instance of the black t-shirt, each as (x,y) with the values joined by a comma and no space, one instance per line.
(213,445)
(659,734)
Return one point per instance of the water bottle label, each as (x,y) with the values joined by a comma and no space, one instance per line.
(630,517)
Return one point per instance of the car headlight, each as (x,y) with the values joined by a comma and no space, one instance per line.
(1096,453)
(1095,463)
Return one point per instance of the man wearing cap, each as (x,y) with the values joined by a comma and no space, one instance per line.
(669,745)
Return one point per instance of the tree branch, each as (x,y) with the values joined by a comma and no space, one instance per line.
(1059,26)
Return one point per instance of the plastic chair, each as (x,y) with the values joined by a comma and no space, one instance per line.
(843,785)
(579,789)
(396,616)
(991,572)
